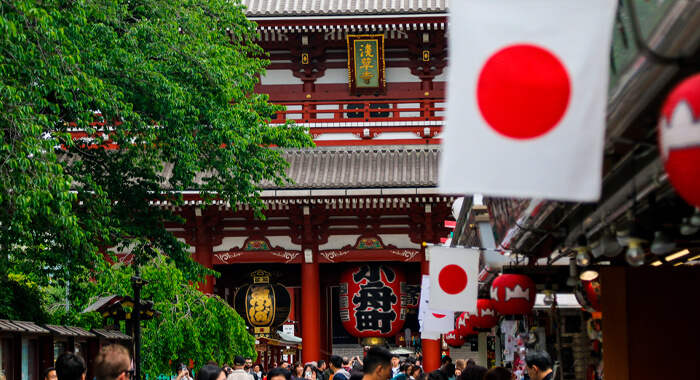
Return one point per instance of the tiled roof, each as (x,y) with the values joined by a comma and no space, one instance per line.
(342,7)
(111,334)
(30,327)
(6,325)
(68,331)
(355,167)
(351,168)
(343,168)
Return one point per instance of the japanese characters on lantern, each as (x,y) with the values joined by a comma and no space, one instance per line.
(371,300)
(263,304)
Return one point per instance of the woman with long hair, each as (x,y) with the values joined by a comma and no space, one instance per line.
(414,372)
(298,371)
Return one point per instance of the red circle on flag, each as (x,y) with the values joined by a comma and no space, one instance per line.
(523,91)
(439,315)
(452,279)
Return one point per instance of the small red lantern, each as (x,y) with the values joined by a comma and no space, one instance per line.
(370,301)
(679,139)
(462,326)
(453,339)
(513,294)
(588,295)
(486,315)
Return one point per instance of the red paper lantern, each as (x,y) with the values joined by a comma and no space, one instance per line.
(513,294)
(462,326)
(370,300)
(588,295)
(679,139)
(454,339)
(486,315)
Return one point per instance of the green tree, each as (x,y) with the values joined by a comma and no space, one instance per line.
(193,325)
(148,84)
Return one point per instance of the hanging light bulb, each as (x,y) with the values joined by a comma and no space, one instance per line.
(611,246)
(583,257)
(573,279)
(687,228)
(695,219)
(662,243)
(548,293)
(635,252)
(548,297)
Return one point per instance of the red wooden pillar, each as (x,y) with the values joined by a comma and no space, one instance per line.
(431,348)
(204,250)
(310,315)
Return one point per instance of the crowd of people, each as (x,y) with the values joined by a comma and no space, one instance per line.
(114,363)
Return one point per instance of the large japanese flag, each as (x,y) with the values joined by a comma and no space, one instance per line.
(454,280)
(526,99)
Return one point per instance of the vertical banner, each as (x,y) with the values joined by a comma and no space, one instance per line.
(366,64)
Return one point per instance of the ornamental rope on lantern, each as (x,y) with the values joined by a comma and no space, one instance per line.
(679,139)
(264,305)
(513,294)
(372,302)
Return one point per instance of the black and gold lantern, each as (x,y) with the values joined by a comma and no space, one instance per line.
(265,305)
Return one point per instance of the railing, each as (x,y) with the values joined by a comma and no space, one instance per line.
(362,111)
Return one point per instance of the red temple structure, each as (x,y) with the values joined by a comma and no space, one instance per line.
(367,193)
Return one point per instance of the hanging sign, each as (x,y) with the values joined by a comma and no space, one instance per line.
(366,64)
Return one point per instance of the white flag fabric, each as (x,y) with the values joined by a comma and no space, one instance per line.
(527,97)
(435,321)
(439,321)
(454,282)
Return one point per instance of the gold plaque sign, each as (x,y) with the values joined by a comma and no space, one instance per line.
(366,64)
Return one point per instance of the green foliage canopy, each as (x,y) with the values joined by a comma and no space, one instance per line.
(193,325)
(165,83)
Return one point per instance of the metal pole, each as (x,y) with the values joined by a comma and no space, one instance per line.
(137,283)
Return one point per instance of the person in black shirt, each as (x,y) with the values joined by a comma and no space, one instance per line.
(539,365)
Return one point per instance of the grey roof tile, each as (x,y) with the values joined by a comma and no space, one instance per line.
(342,7)
(360,167)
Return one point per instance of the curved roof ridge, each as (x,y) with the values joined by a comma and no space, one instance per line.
(282,8)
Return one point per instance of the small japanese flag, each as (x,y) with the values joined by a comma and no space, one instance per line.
(439,321)
(454,280)
(527,98)
(432,321)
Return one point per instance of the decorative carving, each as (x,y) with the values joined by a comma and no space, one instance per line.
(256,245)
(407,253)
(227,256)
(289,256)
(369,243)
(333,254)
